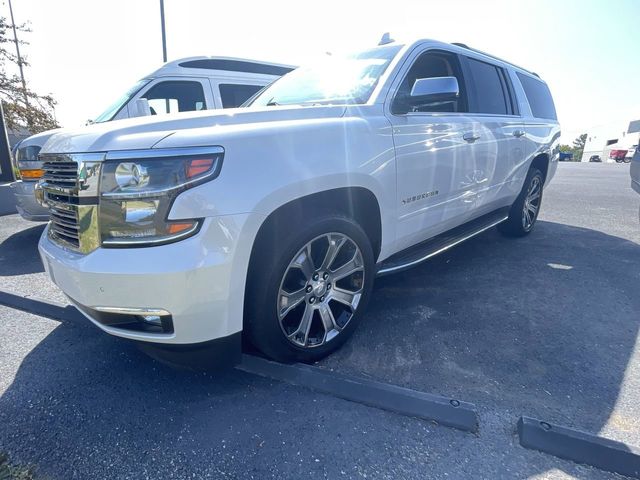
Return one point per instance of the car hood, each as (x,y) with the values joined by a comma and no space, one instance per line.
(146,132)
(39,139)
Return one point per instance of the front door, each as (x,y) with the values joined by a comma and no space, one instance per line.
(437,175)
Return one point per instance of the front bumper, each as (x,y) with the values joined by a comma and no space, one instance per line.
(26,203)
(199,281)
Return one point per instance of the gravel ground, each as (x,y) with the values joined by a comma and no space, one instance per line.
(544,326)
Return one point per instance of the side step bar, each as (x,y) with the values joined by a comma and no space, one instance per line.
(438,244)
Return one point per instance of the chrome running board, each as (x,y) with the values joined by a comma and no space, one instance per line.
(440,243)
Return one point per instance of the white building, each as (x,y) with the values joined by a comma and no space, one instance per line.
(611,136)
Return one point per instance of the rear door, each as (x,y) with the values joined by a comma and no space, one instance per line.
(498,151)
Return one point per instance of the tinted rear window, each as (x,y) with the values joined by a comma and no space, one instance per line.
(235,95)
(489,88)
(539,97)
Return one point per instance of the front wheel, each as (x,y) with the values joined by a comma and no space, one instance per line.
(524,211)
(306,292)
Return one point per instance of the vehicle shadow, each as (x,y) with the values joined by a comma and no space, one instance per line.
(13,260)
(543,326)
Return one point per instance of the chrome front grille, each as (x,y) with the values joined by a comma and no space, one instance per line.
(70,189)
(61,174)
(64,224)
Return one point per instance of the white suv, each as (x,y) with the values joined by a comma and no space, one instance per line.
(273,221)
(183,85)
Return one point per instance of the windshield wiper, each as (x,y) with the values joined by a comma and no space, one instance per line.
(271,103)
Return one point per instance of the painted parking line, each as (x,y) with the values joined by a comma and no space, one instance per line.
(445,411)
(580,447)
(442,410)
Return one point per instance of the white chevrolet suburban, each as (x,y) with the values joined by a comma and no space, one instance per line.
(186,232)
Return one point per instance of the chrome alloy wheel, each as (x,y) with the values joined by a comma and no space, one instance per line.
(320,290)
(531,203)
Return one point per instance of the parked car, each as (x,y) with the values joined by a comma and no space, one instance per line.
(565,157)
(630,153)
(272,221)
(187,84)
(595,158)
(618,155)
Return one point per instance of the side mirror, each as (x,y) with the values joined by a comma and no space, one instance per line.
(141,108)
(436,89)
(426,91)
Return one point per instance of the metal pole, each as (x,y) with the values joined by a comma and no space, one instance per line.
(15,39)
(164,35)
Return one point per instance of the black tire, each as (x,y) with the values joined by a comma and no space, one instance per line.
(517,225)
(271,266)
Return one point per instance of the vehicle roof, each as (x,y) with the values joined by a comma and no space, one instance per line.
(222,66)
(464,49)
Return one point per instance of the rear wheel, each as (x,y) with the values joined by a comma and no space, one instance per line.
(524,211)
(306,293)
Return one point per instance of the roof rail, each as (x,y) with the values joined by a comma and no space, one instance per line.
(463,45)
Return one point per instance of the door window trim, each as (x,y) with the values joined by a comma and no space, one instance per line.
(505,83)
(413,57)
(203,81)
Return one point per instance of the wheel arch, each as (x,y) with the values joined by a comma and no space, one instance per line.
(541,162)
(356,202)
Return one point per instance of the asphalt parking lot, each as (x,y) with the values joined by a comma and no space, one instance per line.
(544,326)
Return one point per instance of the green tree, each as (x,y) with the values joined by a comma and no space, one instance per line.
(23,108)
(578,146)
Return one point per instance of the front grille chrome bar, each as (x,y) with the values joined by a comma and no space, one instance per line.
(70,189)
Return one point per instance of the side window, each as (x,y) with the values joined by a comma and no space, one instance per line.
(175,96)
(234,95)
(490,88)
(430,65)
(538,96)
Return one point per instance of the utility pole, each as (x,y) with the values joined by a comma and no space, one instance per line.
(164,35)
(15,39)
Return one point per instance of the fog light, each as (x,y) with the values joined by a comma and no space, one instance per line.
(153,320)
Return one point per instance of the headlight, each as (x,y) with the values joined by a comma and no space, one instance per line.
(29,166)
(138,189)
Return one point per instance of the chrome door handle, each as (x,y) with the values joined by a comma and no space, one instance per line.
(470,137)
(518,133)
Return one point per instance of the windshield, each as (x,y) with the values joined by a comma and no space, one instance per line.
(115,107)
(333,80)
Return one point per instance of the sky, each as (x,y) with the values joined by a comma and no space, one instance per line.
(88,52)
